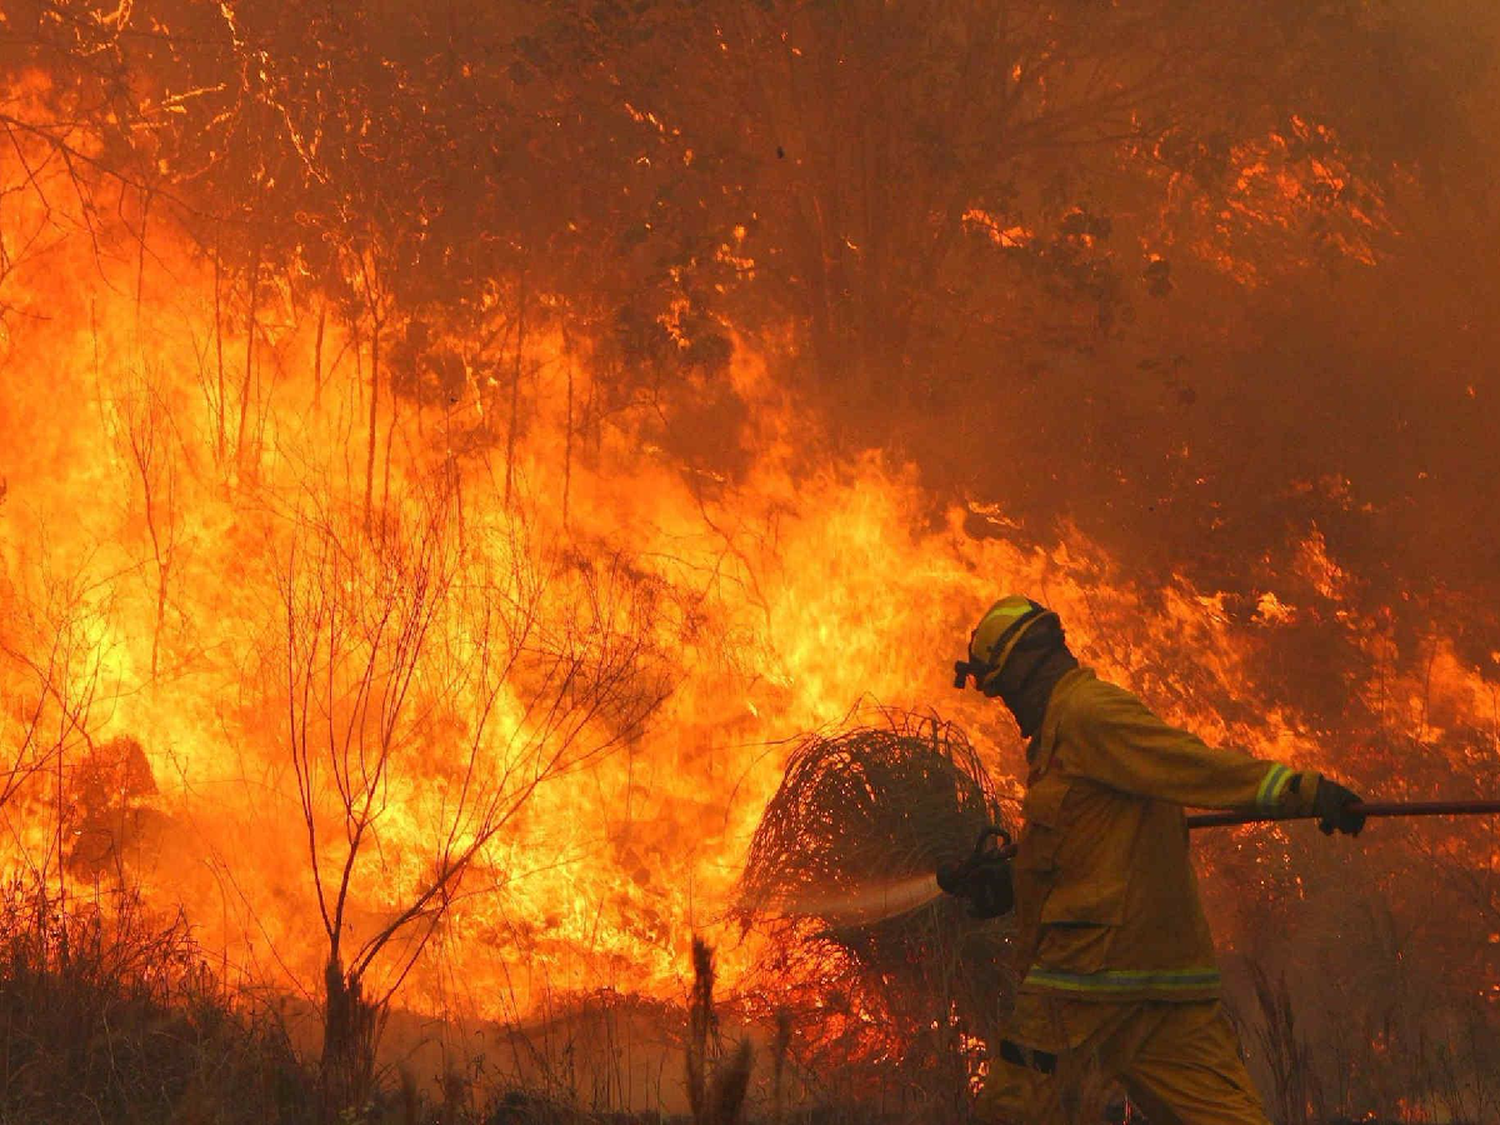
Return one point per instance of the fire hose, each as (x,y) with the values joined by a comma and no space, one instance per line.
(983,879)
(1361,808)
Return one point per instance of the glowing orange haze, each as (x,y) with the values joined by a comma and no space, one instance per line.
(789,595)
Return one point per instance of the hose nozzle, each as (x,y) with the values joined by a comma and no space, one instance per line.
(983,879)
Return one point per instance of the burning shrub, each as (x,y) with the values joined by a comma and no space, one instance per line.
(888,974)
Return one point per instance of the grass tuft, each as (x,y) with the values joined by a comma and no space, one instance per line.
(108,1014)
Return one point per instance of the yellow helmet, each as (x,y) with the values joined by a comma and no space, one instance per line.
(995,638)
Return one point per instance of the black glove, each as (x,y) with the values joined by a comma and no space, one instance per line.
(983,879)
(1331,806)
(985,885)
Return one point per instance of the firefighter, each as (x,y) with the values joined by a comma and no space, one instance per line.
(1119,974)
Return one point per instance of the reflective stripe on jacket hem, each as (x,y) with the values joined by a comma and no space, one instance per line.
(1124,980)
(1268,796)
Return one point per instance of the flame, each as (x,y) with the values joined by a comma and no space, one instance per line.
(156,491)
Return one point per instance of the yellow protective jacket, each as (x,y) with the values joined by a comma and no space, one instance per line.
(1106,897)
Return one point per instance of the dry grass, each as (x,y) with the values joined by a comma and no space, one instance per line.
(717,1083)
(107,1015)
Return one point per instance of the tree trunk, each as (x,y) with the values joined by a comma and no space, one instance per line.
(515,394)
(374,416)
(568,434)
(239,441)
(219,347)
(351,1032)
(318,354)
(390,437)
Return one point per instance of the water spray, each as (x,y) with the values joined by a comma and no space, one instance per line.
(869,903)
(982,879)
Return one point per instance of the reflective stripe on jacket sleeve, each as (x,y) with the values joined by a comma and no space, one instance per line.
(1273,787)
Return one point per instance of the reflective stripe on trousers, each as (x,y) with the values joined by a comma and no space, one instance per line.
(1124,980)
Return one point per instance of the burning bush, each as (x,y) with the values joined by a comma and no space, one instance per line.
(889,973)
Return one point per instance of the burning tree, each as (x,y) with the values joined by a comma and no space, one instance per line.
(433,680)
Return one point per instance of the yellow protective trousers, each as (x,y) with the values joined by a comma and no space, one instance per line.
(1179,1062)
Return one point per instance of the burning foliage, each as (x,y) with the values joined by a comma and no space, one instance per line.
(842,870)
(864,810)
